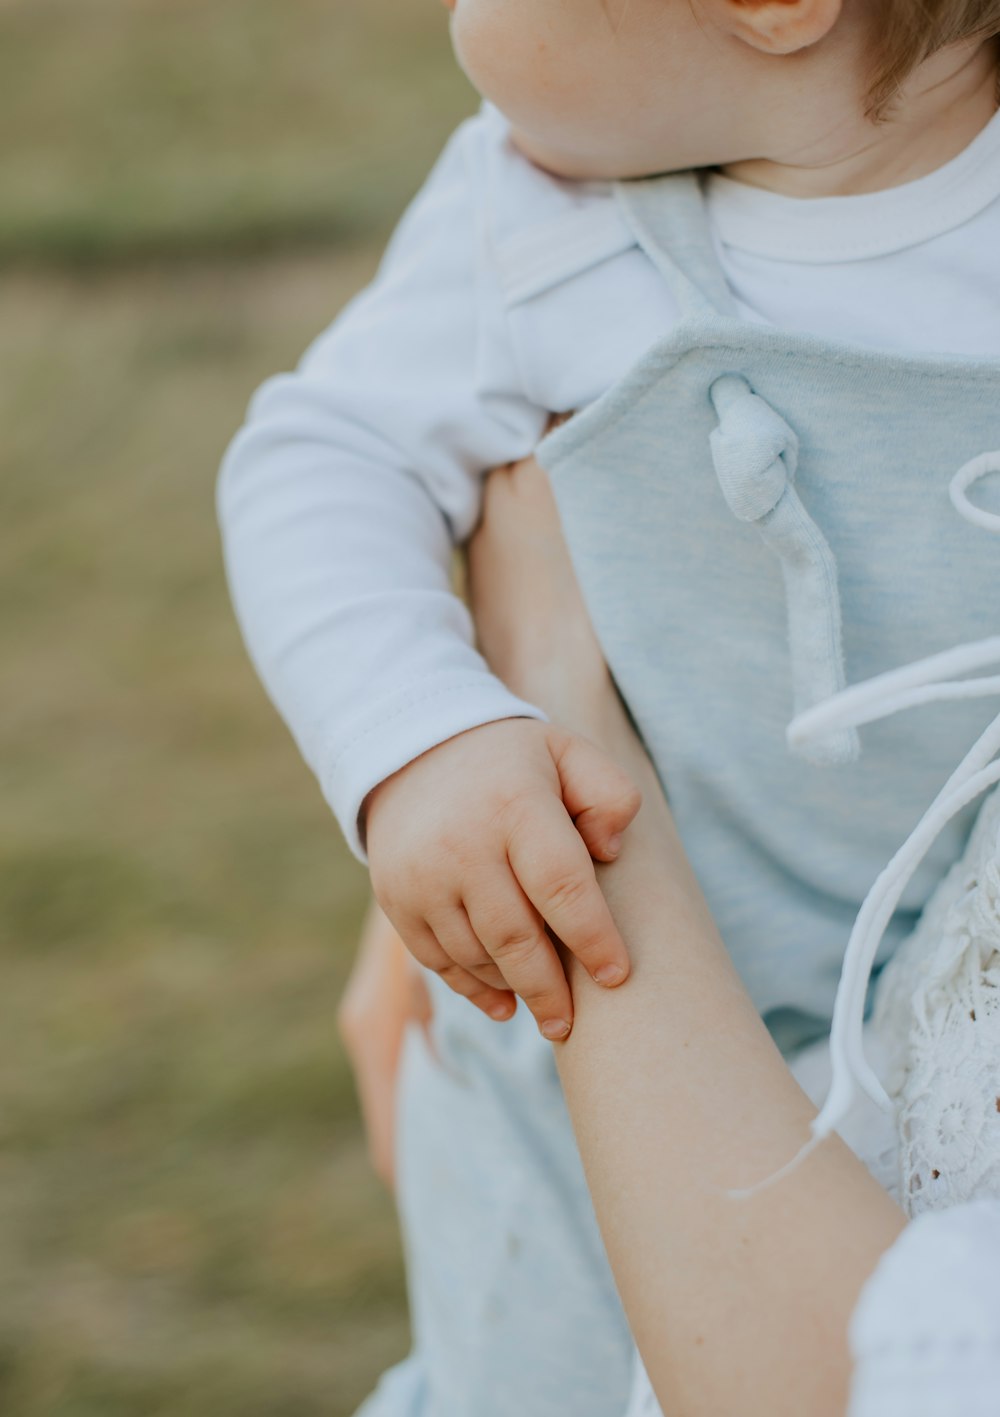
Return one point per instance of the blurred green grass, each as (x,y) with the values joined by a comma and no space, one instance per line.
(187,1221)
(160,127)
(188,1224)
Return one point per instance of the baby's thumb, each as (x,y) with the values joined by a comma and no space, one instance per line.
(599,795)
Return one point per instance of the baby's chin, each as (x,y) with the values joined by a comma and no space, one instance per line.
(577,166)
(548,159)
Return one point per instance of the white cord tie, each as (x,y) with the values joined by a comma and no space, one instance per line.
(755,453)
(922,681)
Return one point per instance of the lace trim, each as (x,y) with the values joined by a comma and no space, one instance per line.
(937,1012)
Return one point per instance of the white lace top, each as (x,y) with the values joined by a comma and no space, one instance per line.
(925,1334)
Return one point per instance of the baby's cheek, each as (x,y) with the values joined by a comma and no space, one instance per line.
(480,44)
(507,61)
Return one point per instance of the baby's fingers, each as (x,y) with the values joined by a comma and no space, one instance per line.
(600,796)
(514,936)
(424,945)
(554,867)
(460,943)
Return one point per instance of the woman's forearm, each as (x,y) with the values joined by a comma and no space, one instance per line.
(678,1095)
(676,1090)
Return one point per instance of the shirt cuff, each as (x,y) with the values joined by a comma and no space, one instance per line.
(404,728)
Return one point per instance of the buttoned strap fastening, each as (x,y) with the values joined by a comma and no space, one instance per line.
(755,453)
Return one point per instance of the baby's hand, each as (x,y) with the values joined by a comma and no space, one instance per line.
(478,844)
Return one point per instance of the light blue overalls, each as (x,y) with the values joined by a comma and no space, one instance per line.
(756,519)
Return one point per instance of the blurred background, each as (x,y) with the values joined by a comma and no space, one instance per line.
(188,1222)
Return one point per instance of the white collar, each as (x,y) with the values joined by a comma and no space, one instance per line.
(820,230)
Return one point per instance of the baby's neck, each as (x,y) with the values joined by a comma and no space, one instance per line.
(937,116)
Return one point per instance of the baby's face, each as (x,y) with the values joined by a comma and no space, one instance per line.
(607,88)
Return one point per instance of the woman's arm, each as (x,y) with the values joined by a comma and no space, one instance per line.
(385,993)
(678,1094)
(676,1089)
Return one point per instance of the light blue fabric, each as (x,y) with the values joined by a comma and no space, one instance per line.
(756,518)
(721,590)
(513,1306)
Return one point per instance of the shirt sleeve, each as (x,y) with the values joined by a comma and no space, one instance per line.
(925,1333)
(342,496)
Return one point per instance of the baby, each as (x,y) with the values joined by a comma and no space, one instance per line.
(779,360)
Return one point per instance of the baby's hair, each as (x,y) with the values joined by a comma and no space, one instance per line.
(910,31)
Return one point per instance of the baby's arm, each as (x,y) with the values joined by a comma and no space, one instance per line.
(340,501)
(342,494)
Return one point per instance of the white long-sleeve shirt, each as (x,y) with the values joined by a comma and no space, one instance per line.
(506,295)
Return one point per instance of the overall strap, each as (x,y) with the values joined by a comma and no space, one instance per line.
(754,451)
(667,217)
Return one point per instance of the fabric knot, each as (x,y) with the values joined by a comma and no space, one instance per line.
(756,455)
(754,450)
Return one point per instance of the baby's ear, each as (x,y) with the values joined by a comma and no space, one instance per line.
(779,26)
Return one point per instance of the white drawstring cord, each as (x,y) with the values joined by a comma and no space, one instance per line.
(923,681)
(905,687)
(849,1065)
(966,475)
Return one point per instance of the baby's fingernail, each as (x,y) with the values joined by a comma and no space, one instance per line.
(554,1029)
(500,1012)
(609,974)
(614,845)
